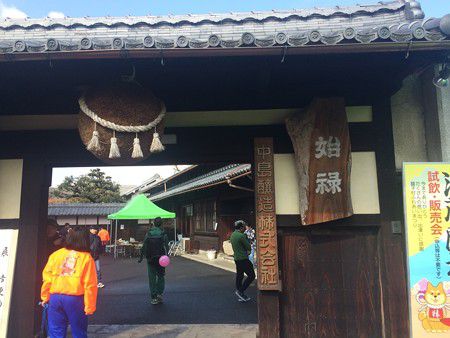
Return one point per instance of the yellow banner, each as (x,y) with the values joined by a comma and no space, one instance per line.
(426,189)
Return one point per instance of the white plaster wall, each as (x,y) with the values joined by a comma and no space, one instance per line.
(364,183)
(443,104)
(286,185)
(10,188)
(363,180)
(82,220)
(87,220)
(408,123)
(66,219)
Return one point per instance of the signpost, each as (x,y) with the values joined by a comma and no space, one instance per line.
(321,143)
(426,191)
(266,226)
(8,245)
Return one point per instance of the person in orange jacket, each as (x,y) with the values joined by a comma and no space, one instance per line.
(70,286)
(104,236)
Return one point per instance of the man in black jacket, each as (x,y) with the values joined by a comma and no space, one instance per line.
(155,246)
(96,250)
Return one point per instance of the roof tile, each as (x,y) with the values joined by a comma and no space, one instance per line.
(197,28)
(214,177)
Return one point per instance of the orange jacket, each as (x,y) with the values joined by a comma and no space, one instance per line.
(104,235)
(70,272)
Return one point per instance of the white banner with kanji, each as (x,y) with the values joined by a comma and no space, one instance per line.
(8,248)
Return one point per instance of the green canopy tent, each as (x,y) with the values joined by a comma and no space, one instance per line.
(139,207)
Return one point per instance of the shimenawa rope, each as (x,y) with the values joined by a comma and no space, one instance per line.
(94,144)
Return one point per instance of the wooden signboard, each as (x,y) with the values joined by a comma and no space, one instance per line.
(266,226)
(321,143)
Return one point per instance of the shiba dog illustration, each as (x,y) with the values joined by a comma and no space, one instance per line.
(434,308)
(68,267)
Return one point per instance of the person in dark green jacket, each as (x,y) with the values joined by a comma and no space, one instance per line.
(241,249)
(155,246)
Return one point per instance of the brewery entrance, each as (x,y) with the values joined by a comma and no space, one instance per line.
(198,289)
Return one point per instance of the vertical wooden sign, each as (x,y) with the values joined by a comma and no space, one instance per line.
(321,143)
(266,227)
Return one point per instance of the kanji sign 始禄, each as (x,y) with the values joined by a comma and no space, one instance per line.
(321,143)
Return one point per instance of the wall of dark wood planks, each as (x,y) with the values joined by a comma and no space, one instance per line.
(330,283)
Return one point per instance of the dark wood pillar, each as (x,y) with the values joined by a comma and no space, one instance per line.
(31,248)
(391,246)
(269,314)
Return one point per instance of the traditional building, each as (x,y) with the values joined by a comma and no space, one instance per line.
(83,214)
(332,238)
(155,179)
(207,201)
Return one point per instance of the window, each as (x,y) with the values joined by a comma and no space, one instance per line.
(189,210)
(205,216)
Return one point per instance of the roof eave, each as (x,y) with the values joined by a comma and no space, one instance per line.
(158,197)
(349,48)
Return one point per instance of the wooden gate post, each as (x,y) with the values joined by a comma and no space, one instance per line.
(269,283)
(31,245)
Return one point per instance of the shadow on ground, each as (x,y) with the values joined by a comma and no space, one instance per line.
(195,294)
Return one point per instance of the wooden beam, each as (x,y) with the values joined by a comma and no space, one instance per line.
(11,223)
(64,148)
(293,221)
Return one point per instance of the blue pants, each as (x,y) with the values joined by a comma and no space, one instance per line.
(251,257)
(64,310)
(97,268)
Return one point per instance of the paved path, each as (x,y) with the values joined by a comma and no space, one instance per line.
(195,294)
(174,331)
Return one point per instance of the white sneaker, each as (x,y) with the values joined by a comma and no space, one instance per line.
(100,285)
(240,295)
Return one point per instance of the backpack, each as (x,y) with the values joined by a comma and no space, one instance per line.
(154,247)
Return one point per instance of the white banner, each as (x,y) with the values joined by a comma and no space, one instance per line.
(8,246)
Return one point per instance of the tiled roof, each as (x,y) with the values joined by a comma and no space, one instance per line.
(83,209)
(147,184)
(217,176)
(399,21)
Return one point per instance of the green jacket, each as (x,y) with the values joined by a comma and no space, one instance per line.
(154,232)
(240,244)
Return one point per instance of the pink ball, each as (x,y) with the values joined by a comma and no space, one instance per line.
(164,261)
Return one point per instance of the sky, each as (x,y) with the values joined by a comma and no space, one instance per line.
(123,175)
(58,8)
